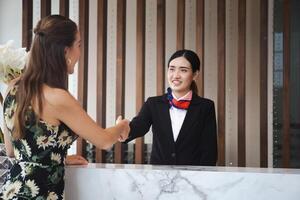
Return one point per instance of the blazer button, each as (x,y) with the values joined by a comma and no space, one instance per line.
(173,155)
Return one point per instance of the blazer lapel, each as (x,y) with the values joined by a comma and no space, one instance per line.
(190,117)
(166,118)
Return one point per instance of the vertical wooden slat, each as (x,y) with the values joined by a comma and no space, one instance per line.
(180,23)
(286,82)
(45,8)
(241,82)
(264,83)
(200,43)
(101,70)
(120,76)
(27,23)
(64,8)
(140,71)
(221,81)
(83,64)
(161,46)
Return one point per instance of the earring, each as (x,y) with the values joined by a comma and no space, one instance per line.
(69,61)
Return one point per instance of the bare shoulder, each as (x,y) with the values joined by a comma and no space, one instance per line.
(58,97)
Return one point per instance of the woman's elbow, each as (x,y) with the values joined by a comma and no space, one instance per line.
(10,154)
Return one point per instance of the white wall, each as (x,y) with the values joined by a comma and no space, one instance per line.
(11,21)
(10,27)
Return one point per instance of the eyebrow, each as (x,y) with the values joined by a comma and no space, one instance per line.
(181,67)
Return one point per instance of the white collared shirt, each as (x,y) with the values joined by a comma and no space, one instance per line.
(177,117)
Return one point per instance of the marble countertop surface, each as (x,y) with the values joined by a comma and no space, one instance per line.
(188,168)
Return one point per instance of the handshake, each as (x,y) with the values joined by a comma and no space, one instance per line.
(124,128)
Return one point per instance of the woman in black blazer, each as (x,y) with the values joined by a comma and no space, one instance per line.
(183,124)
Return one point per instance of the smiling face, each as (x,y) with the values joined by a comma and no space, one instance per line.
(180,76)
(73,53)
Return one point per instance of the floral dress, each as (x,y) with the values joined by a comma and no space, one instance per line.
(38,171)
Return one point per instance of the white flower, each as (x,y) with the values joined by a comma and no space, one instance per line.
(51,128)
(27,168)
(64,139)
(56,157)
(43,141)
(52,196)
(27,148)
(34,190)
(12,189)
(9,116)
(12,61)
(17,154)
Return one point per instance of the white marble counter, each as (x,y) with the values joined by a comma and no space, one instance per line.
(114,181)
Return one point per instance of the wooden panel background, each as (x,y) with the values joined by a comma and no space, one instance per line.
(241,82)
(207,45)
(101,70)
(221,80)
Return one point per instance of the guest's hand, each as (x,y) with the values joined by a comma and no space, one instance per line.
(76,160)
(125,128)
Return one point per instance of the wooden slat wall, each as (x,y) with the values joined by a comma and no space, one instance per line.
(180,24)
(286,83)
(161,46)
(101,70)
(27,16)
(140,72)
(200,43)
(83,64)
(221,81)
(45,8)
(64,9)
(27,7)
(120,76)
(241,82)
(264,83)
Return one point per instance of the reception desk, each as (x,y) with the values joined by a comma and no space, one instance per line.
(132,182)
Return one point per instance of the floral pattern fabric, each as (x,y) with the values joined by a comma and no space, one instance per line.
(38,171)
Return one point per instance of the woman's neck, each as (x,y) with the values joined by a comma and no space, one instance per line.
(180,95)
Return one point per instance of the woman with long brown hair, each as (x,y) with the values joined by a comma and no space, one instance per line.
(42,118)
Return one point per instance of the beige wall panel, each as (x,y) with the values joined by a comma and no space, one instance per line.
(73,79)
(74,12)
(171,30)
(55,7)
(210,56)
(150,54)
(252,83)
(130,72)
(36,12)
(190,25)
(92,60)
(111,62)
(231,82)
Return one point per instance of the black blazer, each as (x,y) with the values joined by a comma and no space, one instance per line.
(197,140)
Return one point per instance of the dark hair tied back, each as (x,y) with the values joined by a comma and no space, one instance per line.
(193,59)
(191,56)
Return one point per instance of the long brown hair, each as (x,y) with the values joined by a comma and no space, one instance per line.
(46,65)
